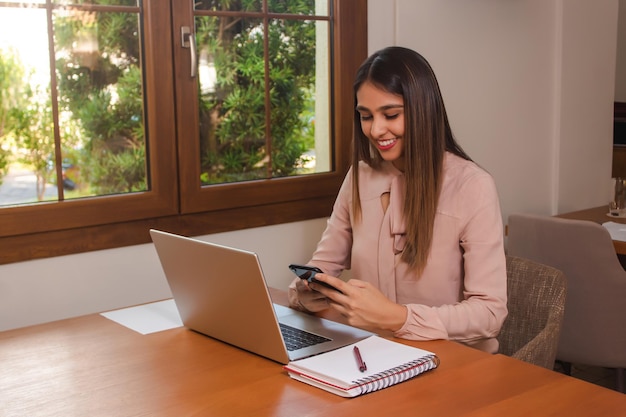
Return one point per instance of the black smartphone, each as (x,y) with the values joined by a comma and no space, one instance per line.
(308,273)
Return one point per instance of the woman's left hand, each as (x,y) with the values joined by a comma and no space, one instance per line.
(362,304)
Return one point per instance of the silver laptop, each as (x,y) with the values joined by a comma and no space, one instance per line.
(221,292)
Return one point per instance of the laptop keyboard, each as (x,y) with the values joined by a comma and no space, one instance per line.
(297,339)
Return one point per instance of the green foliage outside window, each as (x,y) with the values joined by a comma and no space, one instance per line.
(33,127)
(100,87)
(25,122)
(233,125)
(101,111)
(11,84)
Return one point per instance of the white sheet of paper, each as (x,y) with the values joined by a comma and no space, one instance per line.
(616,230)
(147,318)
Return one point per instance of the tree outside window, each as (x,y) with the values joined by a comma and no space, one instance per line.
(249,68)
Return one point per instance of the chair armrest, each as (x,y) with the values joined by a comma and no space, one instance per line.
(539,349)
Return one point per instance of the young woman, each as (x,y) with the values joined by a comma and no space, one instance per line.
(416,221)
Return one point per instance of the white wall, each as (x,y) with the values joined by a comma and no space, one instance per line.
(585,100)
(529,87)
(51,289)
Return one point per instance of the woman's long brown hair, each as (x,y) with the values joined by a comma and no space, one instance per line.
(427,136)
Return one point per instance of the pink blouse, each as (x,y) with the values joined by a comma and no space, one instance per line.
(461,294)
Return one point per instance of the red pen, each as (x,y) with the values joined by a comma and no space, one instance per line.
(359,360)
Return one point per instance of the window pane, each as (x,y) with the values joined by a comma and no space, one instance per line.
(227,5)
(98,2)
(232,99)
(100,100)
(26,125)
(88,127)
(25,3)
(299,96)
(252,129)
(302,7)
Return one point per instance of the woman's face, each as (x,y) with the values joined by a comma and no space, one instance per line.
(382,121)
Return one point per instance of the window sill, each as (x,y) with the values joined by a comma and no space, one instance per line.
(72,241)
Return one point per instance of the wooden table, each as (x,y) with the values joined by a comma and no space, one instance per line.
(598,215)
(91,366)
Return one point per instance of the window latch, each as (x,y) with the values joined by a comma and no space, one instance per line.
(188,41)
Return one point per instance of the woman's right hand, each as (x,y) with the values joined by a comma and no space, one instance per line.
(301,295)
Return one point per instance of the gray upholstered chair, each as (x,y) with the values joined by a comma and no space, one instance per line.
(536,300)
(594,325)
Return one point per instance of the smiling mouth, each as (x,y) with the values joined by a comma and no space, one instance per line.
(386,143)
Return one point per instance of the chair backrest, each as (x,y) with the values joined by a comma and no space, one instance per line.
(594,325)
(536,301)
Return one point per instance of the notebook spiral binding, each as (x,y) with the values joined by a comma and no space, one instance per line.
(396,375)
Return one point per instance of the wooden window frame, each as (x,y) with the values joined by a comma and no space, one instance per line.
(75,226)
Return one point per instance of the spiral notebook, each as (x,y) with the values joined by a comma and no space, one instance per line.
(387,362)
